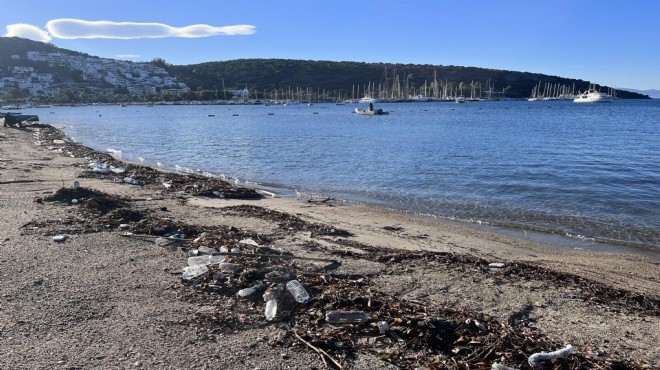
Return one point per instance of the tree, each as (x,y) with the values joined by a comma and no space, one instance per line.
(159,62)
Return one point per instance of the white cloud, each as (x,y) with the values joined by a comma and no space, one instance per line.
(27,31)
(80,29)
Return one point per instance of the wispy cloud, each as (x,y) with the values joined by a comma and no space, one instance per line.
(80,29)
(27,31)
(66,28)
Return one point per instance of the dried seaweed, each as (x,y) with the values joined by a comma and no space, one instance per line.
(285,221)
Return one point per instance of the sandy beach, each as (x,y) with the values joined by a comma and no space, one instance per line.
(103,300)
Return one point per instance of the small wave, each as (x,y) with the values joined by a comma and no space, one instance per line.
(115,153)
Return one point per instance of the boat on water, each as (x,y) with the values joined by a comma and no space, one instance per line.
(593,96)
(375,112)
(368,99)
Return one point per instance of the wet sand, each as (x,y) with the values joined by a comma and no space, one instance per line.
(101,300)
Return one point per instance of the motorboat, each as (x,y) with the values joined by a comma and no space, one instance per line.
(593,96)
(368,99)
(374,112)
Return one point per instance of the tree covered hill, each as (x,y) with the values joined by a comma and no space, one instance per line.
(339,79)
(345,77)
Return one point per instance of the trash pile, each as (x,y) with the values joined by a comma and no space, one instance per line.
(336,315)
(341,316)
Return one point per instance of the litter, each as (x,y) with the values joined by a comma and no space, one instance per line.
(60,238)
(538,357)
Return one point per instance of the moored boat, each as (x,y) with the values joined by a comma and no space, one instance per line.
(593,96)
(367,112)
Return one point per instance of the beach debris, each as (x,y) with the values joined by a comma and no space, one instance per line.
(205,260)
(383,327)
(249,241)
(499,366)
(206,250)
(130,180)
(270,297)
(346,317)
(60,238)
(249,291)
(76,185)
(230,267)
(497,265)
(297,291)
(536,358)
(192,272)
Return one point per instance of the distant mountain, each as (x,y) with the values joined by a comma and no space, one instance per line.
(306,77)
(653,93)
(17,46)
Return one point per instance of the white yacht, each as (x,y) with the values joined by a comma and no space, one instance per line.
(593,96)
(368,99)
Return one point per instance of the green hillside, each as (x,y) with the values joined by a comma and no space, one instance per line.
(331,80)
(346,77)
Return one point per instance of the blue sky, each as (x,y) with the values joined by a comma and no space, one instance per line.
(615,43)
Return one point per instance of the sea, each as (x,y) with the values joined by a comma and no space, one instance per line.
(583,176)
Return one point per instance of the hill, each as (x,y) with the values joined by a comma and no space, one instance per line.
(266,75)
(96,78)
(653,93)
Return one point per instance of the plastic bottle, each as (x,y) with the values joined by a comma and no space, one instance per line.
(248,291)
(383,327)
(270,296)
(230,267)
(297,291)
(346,317)
(271,309)
(192,272)
(204,260)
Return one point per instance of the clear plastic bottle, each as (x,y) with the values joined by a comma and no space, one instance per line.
(204,260)
(271,309)
(297,291)
(346,317)
(248,291)
(270,296)
(192,272)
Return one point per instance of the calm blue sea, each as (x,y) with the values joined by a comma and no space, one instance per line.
(591,172)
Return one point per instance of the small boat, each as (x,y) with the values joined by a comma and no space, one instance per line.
(375,112)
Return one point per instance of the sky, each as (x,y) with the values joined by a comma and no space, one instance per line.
(613,43)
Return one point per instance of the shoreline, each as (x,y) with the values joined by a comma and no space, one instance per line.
(554,238)
(100,300)
(588,227)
